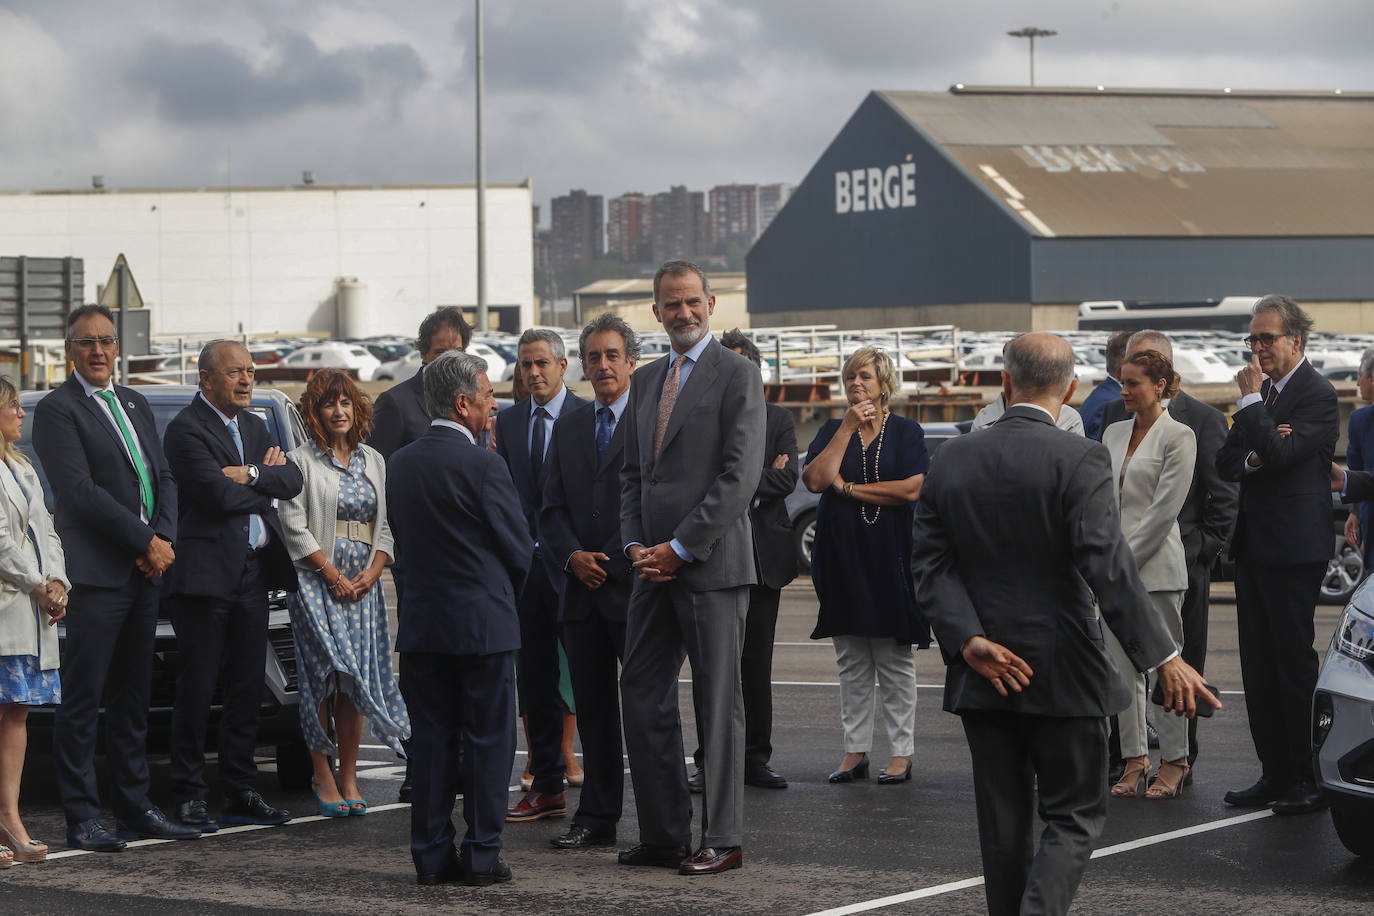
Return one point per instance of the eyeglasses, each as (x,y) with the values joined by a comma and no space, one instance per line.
(12,405)
(90,343)
(1267,339)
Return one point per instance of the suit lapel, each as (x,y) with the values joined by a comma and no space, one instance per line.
(102,419)
(219,432)
(15,493)
(703,377)
(647,420)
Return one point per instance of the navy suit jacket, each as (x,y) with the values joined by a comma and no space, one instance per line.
(774,550)
(513,444)
(453,514)
(581,511)
(98,503)
(212,523)
(400,416)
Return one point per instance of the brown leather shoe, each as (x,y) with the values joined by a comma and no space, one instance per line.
(710,860)
(535,806)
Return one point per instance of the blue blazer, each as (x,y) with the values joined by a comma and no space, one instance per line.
(95,486)
(452,509)
(513,444)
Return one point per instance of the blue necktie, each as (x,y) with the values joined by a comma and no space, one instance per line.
(254,523)
(605,426)
(538,438)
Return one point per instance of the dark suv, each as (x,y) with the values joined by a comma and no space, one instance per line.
(280,726)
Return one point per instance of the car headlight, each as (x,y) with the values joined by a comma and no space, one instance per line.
(1355,635)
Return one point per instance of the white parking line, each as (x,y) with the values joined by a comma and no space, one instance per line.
(949,887)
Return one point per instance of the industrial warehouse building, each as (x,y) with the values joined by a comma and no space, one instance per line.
(345,261)
(1004,208)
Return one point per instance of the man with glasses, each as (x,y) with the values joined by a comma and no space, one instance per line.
(1280,449)
(116,514)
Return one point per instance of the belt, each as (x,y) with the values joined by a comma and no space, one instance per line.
(353,530)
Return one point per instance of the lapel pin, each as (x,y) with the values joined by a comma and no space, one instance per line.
(131,405)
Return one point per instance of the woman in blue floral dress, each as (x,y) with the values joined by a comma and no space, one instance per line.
(337,533)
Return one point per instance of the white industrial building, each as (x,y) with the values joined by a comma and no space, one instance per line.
(313,259)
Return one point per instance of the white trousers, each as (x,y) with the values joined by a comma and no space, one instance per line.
(861,659)
(1173,730)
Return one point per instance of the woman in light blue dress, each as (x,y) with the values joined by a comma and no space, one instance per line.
(337,533)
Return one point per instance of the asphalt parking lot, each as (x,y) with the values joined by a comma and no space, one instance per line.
(812,848)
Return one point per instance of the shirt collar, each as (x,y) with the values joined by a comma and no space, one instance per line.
(1037,407)
(224,418)
(555,405)
(451,424)
(1284,381)
(617,406)
(698,348)
(92,389)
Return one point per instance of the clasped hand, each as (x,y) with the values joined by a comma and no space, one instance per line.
(586,566)
(659,563)
(52,600)
(156,558)
(1002,667)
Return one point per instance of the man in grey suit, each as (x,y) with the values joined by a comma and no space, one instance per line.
(693,457)
(1028,669)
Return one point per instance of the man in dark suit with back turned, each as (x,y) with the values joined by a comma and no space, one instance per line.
(1279,449)
(453,511)
(1028,671)
(580,524)
(230,476)
(116,514)
(1208,514)
(522,439)
(693,455)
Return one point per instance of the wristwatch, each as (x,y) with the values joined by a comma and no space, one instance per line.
(252,473)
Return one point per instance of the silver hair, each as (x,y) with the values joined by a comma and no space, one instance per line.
(1367,363)
(1295,320)
(1036,370)
(552,338)
(452,373)
(1150,339)
(677,268)
(609,321)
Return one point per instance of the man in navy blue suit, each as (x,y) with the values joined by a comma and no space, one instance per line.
(580,523)
(116,514)
(522,438)
(467,548)
(230,475)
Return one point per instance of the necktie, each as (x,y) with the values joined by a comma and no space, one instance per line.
(32,538)
(667,400)
(1272,396)
(254,523)
(605,426)
(538,439)
(145,482)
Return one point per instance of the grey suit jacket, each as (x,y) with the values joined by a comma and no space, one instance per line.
(700,487)
(1040,505)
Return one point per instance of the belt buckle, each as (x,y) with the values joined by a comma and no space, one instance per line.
(355,530)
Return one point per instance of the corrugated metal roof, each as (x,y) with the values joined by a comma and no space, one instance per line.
(1152,163)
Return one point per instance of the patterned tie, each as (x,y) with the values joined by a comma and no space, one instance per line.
(145,481)
(605,426)
(538,439)
(1272,396)
(254,523)
(667,400)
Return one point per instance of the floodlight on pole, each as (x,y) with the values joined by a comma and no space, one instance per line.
(1032,32)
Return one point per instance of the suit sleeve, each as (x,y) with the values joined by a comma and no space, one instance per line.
(506,522)
(1315,421)
(1171,491)
(198,473)
(555,526)
(779,482)
(741,464)
(1359,486)
(16,567)
(1222,497)
(60,448)
(631,522)
(279,482)
(388,429)
(940,592)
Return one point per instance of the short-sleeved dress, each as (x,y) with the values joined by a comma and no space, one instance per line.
(346,646)
(861,571)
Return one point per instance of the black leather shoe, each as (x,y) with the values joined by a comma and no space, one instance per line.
(696,783)
(661,856)
(153,825)
(885,778)
(1303,798)
(249,808)
(764,777)
(407,787)
(195,813)
(579,837)
(452,873)
(859,771)
(1262,793)
(497,874)
(712,860)
(92,836)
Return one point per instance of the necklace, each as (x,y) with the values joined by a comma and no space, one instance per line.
(863,469)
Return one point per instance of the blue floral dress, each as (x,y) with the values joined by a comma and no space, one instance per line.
(22,681)
(346,646)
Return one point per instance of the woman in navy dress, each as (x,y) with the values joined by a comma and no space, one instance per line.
(868,468)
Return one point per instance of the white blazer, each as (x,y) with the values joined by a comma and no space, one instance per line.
(1157,480)
(21,631)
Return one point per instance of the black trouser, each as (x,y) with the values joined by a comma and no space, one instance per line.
(1194,610)
(1274,610)
(110,635)
(538,608)
(756,678)
(219,635)
(595,646)
(1018,759)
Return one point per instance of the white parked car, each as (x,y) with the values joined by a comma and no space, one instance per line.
(1196,366)
(498,370)
(335,355)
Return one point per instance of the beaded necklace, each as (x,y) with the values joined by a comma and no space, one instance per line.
(863,468)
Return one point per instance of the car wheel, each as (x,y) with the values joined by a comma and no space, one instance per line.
(1354,822)
(294,769)
(803,536)
(1343,572)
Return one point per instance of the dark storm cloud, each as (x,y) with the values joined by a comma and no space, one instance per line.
(211,82)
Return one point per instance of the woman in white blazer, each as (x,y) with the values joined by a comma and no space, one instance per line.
(1152,461)
(33,597)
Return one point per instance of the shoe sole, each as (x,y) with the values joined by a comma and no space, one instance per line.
(590,844)
(514,819)
(231,821)
(715,871)
(135,837)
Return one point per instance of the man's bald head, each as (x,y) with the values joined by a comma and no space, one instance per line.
(1150,340)
(1039,366)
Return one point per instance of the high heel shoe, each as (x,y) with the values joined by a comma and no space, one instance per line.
(887,778)
(356,807)
(1160,788)
(32,851)
(328,809)
(1137,768)
(858,771)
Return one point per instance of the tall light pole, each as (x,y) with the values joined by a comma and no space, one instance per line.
(1031,32)
(482,319)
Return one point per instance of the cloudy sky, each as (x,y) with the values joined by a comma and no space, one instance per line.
(607,95)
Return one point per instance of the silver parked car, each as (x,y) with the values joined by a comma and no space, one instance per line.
(1343,724)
